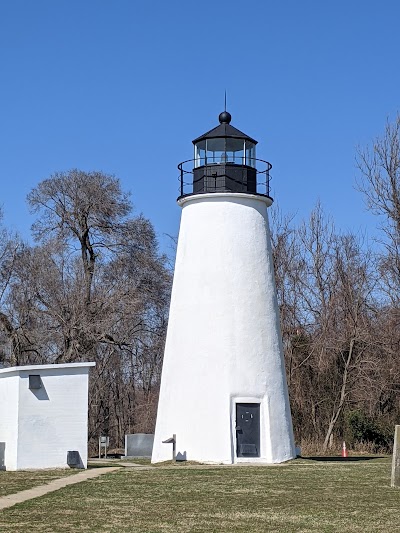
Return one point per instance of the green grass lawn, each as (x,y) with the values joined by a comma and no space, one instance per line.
(138,460)
(302,496)
(12,482)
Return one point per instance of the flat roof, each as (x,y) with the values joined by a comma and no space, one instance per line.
(44,367)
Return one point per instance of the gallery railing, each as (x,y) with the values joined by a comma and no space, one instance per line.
(224,175)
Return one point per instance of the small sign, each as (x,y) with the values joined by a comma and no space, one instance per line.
(103,445)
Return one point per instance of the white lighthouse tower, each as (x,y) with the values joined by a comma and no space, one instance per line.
(223,389)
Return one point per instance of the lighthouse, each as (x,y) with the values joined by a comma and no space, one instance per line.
(223,395)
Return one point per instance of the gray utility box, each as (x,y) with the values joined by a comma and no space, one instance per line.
(139,444)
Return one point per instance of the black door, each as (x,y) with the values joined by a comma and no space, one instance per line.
(248,429)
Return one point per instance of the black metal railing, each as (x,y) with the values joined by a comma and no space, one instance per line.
(206,178)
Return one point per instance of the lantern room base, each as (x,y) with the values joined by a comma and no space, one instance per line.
(224,196)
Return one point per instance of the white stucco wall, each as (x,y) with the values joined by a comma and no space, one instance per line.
(9,399)
(223,343)
(50,421)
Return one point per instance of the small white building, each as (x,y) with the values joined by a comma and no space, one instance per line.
(44,416)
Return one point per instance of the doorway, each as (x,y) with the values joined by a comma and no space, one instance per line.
(248,430)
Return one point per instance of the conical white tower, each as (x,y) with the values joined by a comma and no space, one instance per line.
(223,388)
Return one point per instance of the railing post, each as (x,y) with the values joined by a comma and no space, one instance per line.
(181,181)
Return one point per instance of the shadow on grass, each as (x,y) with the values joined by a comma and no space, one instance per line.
(339,459)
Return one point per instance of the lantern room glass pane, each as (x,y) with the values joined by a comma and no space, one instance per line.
(225,150)
(200,154)
(215,151)
(250,154)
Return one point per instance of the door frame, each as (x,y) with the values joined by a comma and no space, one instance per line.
(264,429)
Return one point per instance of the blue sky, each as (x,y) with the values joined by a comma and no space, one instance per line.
(124,86)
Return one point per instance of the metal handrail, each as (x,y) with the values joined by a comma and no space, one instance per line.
(259,171)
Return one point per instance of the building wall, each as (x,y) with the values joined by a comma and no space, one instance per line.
(53,419)
(40,426)
(9,384)
(223,343)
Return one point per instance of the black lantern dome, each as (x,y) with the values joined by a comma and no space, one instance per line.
(225,161)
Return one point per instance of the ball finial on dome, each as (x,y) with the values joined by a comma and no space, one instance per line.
(225,117)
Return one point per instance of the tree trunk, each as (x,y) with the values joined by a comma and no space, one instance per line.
(337,410)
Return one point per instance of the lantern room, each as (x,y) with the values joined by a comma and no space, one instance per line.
(224,144)
(225,161)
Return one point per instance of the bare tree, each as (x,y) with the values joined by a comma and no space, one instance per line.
(87,208)
(95,287)
(13,342)
(349,328)
(325,287)
(379,166)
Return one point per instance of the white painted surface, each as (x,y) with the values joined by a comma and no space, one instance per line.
(48,422)
(60,367)
(223,343)
(9,400)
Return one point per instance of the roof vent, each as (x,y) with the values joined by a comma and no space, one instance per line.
(35,381)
